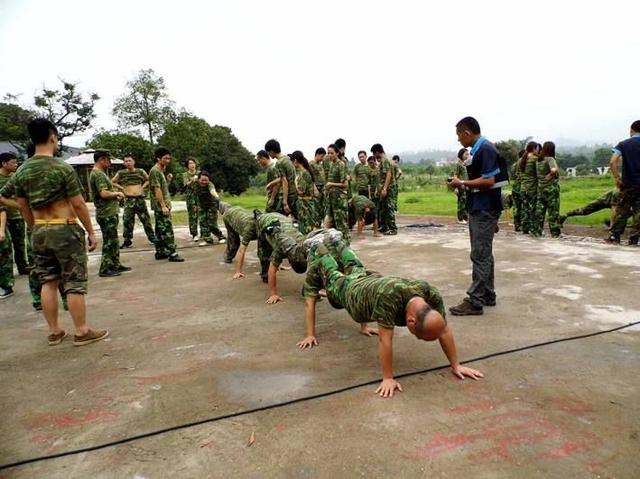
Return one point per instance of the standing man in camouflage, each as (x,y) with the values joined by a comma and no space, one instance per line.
(106,202)
(132,182)
(50,199)
(337,207)
(367,296)
(7,281)
(342,148)
(320,178)
(516,195)
(161,206)
(460,172)
(361,172)
(241,230)
(397,173)
(287,174)
(374,184)
(529,186)
(189,181)
(15,222)
(387,191)
(548,197)
(273,181)
(628,183)
(208,203)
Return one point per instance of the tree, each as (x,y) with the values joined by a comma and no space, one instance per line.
(68,109)
(216,149)
(601,157)
(120,144)
(430,170)
(13,124)
(145,104)
(509,150)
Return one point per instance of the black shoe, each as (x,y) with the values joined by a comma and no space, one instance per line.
(37,306)
(489,302)
(161,256)
(633,240)
(109,273)
(6,292)
(390,233)
(562,219)
(126,244)
(23,271)
(613,239)
(228,260)
(124,269)
(466,308)
(175,258)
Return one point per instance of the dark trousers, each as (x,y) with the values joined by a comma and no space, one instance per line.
(18,231)
(628,206)
(482,228)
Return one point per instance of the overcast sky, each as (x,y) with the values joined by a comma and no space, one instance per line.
(396,72)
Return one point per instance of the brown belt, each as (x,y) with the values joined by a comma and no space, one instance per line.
(56,221)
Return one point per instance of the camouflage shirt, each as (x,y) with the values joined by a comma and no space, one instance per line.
(206,195)
(98,182)
(12,213)
(189,189)
(385,167)
(242,222)
(326,166)
(359,203)
(284,169)
(304,184)
(286,227)
(337,174)
(528,177)
(460,171)
(318,172)
(158,180)
(543,168)
(133,177)
(43,180)
(515,177)
(361,172)
(374,181)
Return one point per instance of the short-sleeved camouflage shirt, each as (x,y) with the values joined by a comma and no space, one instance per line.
(158,180)
(12,213)
(460,171)
(543,168)
(361,172)
(528,177)
(374,181)
(287,228)
(242,222)
(337,172)
(385,167)
(304,183)
(284,169)
(318,172)
(43,180)
(98,182)
(359,204)
(135,176)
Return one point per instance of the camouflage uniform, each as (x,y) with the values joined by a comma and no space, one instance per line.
(606,201)
(285,169)
(134,205)
(367,296)
(241,229)
(17,227)
(516,197)
(357,206)
(337,209)
(165,241)
(374,185)
(529,190)
(361,172)
(319,179)
(306,204)
(192,202)
(281,241)
(396,175)
(208,212)
(460,172)
(7,280)
(548,198)
(59,250)
(34,284)
(272,174)
(107,218)
(387,203)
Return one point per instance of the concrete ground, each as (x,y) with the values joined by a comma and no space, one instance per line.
(188,343)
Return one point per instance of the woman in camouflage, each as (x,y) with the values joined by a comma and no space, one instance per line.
(307,216)
(189,180)
(548,197)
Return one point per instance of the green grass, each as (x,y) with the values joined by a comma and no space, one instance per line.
(435,199)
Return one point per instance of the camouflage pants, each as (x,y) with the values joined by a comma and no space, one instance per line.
(209,223)
(590,208)
(165,241)
(18,231)
(462,206)
(34,283)
(548,204)
(307,215)
(6,261)
(288,243)
(394,194)
(276,207)
(516,198)
(320,205)
(192,210)
(292,203)
(388,212)
(110,247)
(628,206)
(136,206)
(337,213)
(233,243)
(529,212)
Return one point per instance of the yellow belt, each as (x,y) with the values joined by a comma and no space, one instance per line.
(306,198)
(56,221)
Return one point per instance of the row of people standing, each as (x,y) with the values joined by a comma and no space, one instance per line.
(536,190)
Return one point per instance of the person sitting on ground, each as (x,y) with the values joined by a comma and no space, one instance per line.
(368,296)
(241,230)
(208,202)
(363,212)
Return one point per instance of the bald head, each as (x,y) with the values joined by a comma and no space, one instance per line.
(425,323)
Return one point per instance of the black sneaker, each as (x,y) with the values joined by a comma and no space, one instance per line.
(390,233)
(109,273)
(613,239)
(126,244)
(633,240)
(37,306)
(6,292)
(124,269)
(489,302)
(228,260)
(466,308)
(175,258)
(562,219)
(23,272)
(161,256)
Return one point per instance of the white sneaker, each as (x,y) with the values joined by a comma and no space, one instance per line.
(194,239)
(314,241)
(222,241)
(202,243)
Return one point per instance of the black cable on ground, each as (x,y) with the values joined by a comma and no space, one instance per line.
(299,400)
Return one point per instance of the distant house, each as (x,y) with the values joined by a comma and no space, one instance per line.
(571,171)
(83,164)
(602,170)
(6,147)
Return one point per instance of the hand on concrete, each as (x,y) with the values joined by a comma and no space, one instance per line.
(462,371)
(308,342)
(238,275)
(387,387)
(273,299)
(367,331)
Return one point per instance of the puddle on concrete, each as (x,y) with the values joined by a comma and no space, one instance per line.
(259,388)
(567,291)
(608,315)
(581,269)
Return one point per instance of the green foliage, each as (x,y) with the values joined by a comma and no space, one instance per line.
(145,104)
(215,148)
(13,124)
(601,157)
(509,149)
(68,109)
(120,144)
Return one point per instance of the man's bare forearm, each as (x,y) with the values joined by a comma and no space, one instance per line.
(85,218)
(272,275)
(25,211)
(385,348)
(240,262)
(310,315)
(448,345)
(9,203)
(387,180)
(159,196)
(285,190)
